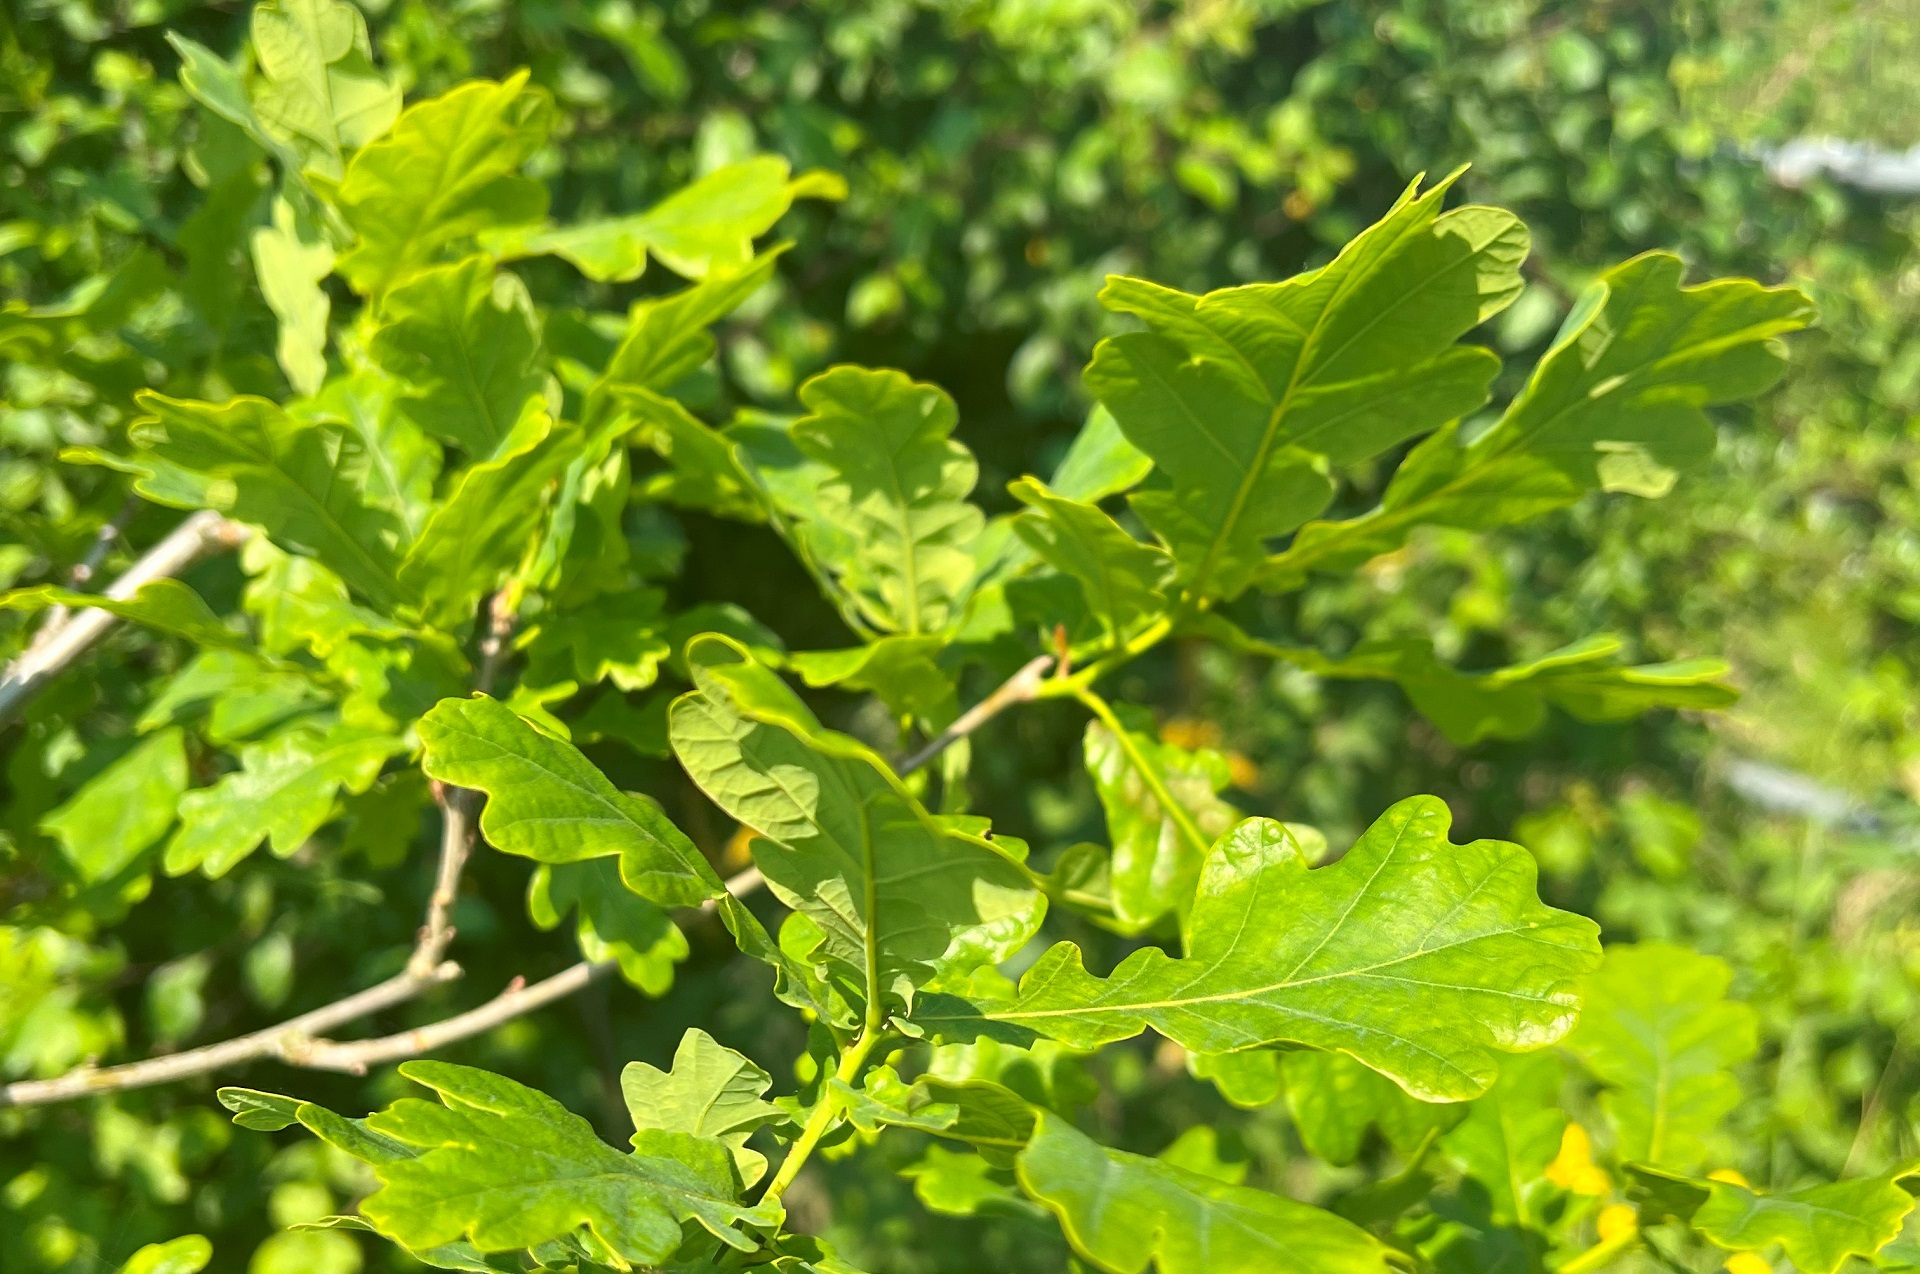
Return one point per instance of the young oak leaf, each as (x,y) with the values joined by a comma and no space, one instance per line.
(889,518)
(1423,959)
(319,91)
(549,803)
(1244,396)
(897,894)
(613,922)
(1125,581)
(1157,851)
(1617,404)
(1818,1227)
(1121,1211)
(465,341)
(504,1166)
(285,790)
(1658,1030)
(449,169)
(711,1091)
(704,228)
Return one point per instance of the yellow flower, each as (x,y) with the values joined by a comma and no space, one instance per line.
(1614,1221)
(1748,1262)
(1190,733)
(1732,1177)
(1574,1169)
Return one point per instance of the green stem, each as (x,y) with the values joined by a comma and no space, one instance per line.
(1149,773)
(1071,686)
(1600,1253)
(825,1111)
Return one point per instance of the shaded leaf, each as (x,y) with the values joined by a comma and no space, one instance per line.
(1511,1134)
(1334,1100)
(488,523)
(1658,1030)
(614,923)
(124,809)
(1121,1211)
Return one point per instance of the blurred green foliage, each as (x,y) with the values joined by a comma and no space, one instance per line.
(1003,157)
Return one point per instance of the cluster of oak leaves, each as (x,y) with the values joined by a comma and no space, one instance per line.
(447,458)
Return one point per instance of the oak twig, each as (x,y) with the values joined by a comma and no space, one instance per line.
(59,644)
(1018,688)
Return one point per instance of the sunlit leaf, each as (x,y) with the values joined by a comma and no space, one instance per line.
(465,341)
(548,803)
(1620,395)
(1157,851)
(505,1167)
(711,1091)
(449,169)
(283,793)
(1243,396)
(1421,958)
(897,893)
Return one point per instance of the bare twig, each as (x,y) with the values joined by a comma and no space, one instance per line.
(518,999)
(284,1041)
(1018,688)
(296,1041)
(193,539)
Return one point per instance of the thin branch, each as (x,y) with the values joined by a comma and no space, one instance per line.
(283,1041)
(1018,688)
(203,533)
(459,810)
(517,1000)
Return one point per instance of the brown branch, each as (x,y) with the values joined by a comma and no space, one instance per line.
(296,1041)
(59,644)
(356,1056)
(1018,688)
